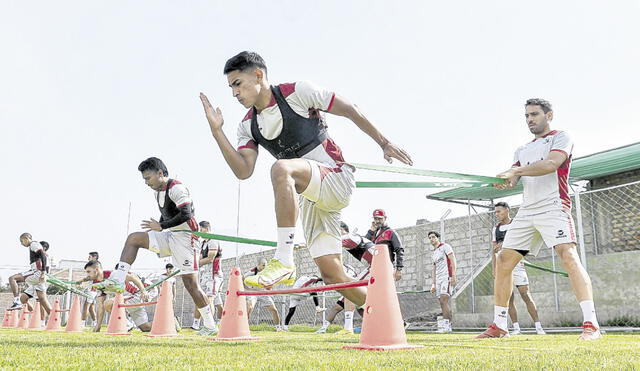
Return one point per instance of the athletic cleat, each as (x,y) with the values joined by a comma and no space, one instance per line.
(515,332)
(205,331)
(540,332)
(343,332)
(321,330)
(279,328)
(274,273)
(448,330)
(440,331)
(109,285)
(194,327)
(130,325)
(15,306)
(406,325)
(493,331)
(590,332)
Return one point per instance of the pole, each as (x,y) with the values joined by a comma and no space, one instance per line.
(473,294)
(555,281)
(442,218)
(238,222)
(128,218)
(583,253)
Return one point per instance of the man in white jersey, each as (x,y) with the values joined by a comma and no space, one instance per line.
(166,237)
(211,277)
(444,276)
(520,278)
(288,121)
(262,300)
(543,218)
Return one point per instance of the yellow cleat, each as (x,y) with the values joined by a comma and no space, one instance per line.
(343,332)
(273,273)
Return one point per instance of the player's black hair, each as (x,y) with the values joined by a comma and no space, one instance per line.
(544,104)
(503,204)
(433,232)
(25,235)
(92,263)
(169,265)
(45,245)
(204,224)
(154,164)
(243,61)
(94,253)
(344,226)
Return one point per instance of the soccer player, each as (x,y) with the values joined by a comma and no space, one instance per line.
(135,293)
(168,270)
(520,278)
(444,276)
(288,121)
(294,300)
(543,218)
(35,277)
(88,307)
(263,300)
(381,233)
(344,304)
(165,238)
(211,276)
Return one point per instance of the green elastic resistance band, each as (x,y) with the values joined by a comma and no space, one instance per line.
(61,285)
(162,280)
(433,173)
(420,184)
(220,237)
(527,264)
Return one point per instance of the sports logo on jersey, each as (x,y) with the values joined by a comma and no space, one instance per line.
(560,233)
(186,263)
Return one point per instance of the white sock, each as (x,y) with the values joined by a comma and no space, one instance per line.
(538,326)
(43,323)
(16,299)
(121,271)
(284,251)
(348,320)
(83,323)
(516,326)
(207,316)
(325,324)
(500,317)
(445,323)
(196,322)
(589,312)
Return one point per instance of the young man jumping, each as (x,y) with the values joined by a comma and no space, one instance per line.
(165,239)
(288,121)
(543,218)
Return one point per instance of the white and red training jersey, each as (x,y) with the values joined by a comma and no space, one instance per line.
(549,192)
(440,258)
(128,286)
(307,100)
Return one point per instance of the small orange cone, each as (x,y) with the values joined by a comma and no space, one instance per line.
(7,321)
(234,325)
(382,327)
(163,320)
(35,322)
(118,318)
(74,323)
(24,319)
(54,318)
(15,318)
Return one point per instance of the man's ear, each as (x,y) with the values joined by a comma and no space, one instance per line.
(549,115)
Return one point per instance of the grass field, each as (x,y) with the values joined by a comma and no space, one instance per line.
(304,350)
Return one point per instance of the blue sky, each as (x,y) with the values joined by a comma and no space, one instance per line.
(89,89)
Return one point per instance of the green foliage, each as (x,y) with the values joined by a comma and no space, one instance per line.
(623,321)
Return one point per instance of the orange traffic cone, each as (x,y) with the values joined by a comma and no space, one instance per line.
(163,320)
(35,322)
(54,318)
(24,319)
(118,318)
(15,318)
(234,325)
(382,327)
(74,323)
(7,321)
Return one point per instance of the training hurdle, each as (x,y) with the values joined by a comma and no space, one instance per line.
(382,327)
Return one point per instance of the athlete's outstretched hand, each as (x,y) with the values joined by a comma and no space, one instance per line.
(392,151)
(214,116)
(510,176)
(151,225)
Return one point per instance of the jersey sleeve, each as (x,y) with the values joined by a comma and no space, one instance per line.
(447,249)
(493,235)
(245,139)
(179,194)
(516,158)
(35,246)
(312,96)
(562,143)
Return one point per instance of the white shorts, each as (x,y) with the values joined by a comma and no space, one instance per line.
(212,287)
(520,277)
(530,232)
(93,294)
(329,191)
(443,287)
(179,245)
(32,279)
(138,315)
(262,300)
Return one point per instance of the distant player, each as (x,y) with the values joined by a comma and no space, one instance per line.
(344,304)
(520,278)
(381,233)
(444,276)
(543,218)
(211,276)
(294,300)
(164,238)
(88,306)
(262,300)
(35,277)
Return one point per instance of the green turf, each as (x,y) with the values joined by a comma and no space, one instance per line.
(304,350)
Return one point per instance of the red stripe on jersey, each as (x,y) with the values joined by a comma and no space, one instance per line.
(128,286)
(333,151)
(333,97)
(193,224)
(449,266)
(287,88)
(250,144)
(184,203)
(563,183)
(249,115)
(516,164)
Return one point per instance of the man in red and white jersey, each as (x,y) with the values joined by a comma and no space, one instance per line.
(543,218)
(288,121)
(168,236)
(211,276)
(444,276)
